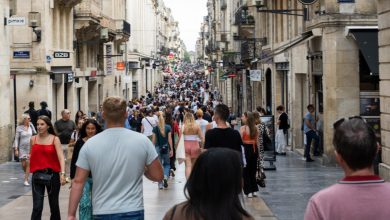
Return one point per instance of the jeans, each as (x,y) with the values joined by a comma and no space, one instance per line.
(137,215)
(85,207)
(311,135)
(165,161)
(53,191)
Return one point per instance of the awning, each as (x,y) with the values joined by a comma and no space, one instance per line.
(367,40)
(303,38)
(61,69)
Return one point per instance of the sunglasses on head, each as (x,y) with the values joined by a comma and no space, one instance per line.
(342,120)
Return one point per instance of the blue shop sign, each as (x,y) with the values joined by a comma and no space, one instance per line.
(22,54)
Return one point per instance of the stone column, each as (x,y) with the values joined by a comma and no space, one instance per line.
(384,74)
(340,82)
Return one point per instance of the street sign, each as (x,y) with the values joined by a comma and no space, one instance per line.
(21,54)
(61,54)
(16,21)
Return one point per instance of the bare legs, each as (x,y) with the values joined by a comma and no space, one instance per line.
(189,163)
(26,169)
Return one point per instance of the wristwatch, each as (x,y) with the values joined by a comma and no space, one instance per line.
(62,174)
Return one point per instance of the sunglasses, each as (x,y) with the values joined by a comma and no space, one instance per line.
(342,120)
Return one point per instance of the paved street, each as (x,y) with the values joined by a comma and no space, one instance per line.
(295,181)
(157,202)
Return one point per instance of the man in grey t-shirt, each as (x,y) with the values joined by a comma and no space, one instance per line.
(117,159)
(309,128)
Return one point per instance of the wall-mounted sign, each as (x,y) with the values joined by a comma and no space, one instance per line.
(48,59)
(93,73)
(59,54)
(21,54)
(16,21)
(69,77)
(120,65)
(255,75)
(109,62)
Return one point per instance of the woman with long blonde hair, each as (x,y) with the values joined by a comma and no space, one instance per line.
(192,133)
(162,139)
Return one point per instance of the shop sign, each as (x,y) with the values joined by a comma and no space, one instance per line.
(120,65)
(93,73)
(16,21)
(255,75)
(69,77)
(60,54)
(21,54)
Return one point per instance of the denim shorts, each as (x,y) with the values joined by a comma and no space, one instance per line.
(136,215)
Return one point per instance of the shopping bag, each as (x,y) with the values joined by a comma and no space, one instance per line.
(180,151)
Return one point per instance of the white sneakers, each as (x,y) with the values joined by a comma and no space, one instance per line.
(251,195)
(26,183)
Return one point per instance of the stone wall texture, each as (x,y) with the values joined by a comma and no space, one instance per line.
(384,60)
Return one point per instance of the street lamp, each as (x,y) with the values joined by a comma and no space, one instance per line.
(34,19)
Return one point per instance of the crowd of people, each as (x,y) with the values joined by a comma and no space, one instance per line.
(182,120)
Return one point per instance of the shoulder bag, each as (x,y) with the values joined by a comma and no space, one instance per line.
(180,151)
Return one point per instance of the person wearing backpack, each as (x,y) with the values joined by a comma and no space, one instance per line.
(162,140)
(148,123)
(281,133)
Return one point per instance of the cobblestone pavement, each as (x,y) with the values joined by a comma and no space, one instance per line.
(157,202)
(290,187)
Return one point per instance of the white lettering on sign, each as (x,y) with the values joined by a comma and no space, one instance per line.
(15,21)
(61,55)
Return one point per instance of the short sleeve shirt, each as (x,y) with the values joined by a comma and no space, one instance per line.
(309,117)
(148,123)
(117,158)
(160,140)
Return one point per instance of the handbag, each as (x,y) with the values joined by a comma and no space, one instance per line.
(260,179)
(180,151)
(40,178)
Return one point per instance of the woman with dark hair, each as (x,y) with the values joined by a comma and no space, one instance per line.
(212,194)
(90,128)
(79,114)
(136,121)
(175,138)
(47,164)
(249,135)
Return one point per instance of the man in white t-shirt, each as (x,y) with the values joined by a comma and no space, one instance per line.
(148,123)
(117,158)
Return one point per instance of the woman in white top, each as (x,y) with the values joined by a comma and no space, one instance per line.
(192,133)
(24,132)
(148,123)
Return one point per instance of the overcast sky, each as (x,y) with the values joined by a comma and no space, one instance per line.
(189,14)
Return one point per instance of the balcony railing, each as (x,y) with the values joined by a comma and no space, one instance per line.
(69,3)
(123,26)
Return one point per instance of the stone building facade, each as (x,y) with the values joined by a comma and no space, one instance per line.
(384,69)
(5,122)
(322,54)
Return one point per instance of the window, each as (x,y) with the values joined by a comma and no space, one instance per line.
(346,1)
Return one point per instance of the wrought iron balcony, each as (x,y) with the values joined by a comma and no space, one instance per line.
(123,27)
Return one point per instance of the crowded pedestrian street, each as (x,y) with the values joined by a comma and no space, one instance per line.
(285,197)
(195,110)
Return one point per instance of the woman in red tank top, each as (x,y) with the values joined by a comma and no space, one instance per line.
(249,138)
(46,157)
